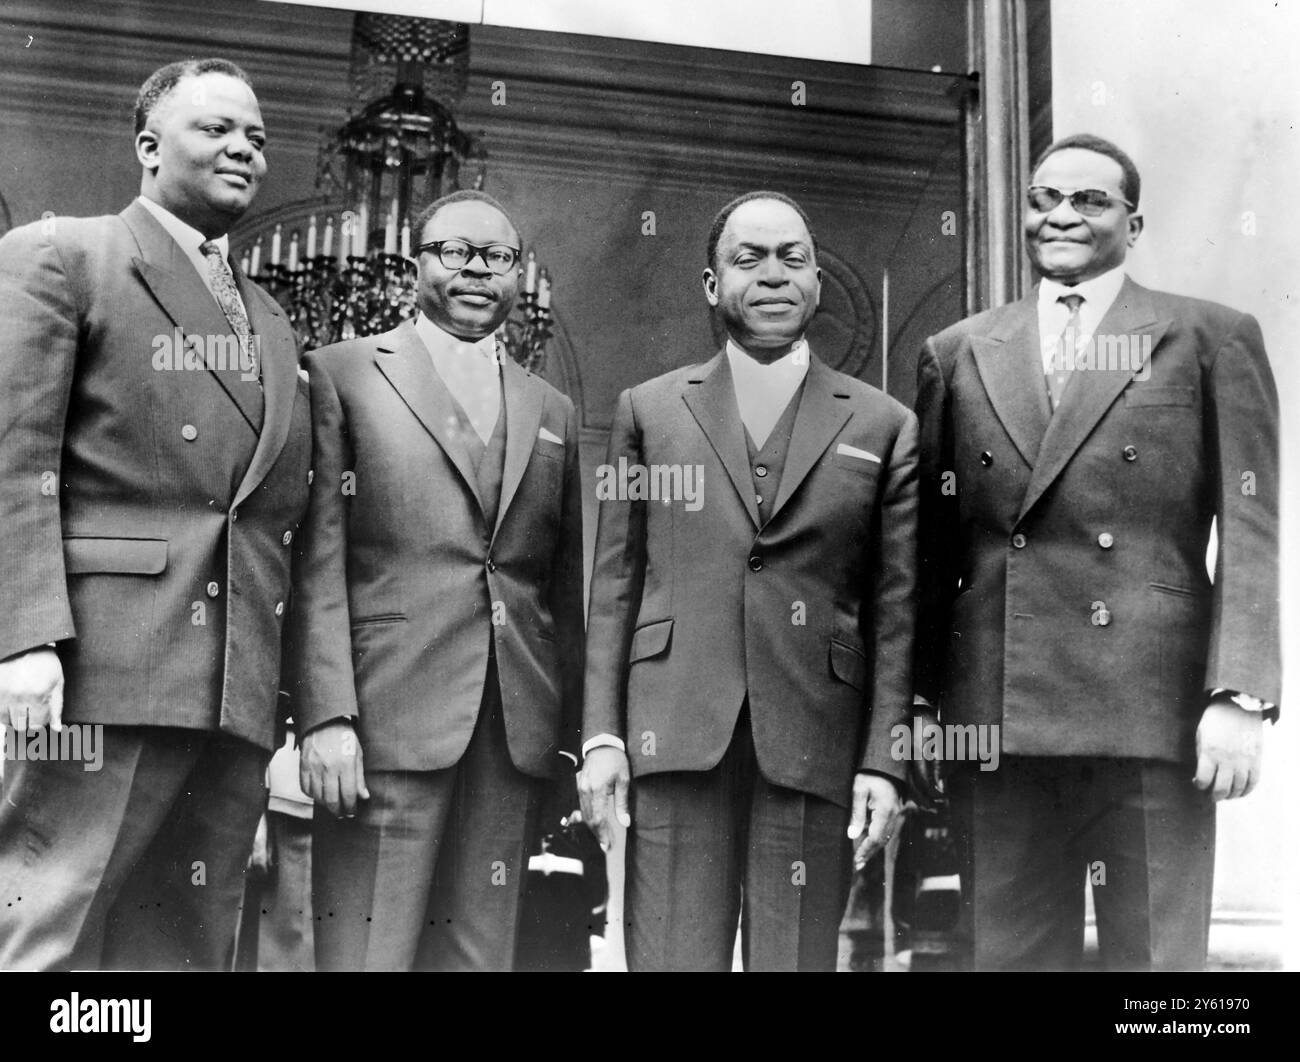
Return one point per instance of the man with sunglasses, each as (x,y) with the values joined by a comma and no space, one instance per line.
(440,637)
(1077,447)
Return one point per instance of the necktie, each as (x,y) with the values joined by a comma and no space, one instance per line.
(1063,357)
(222,283)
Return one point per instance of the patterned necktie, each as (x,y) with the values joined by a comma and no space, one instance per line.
(1063,357)
(222,282)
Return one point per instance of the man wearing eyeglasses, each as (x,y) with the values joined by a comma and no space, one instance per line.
(440,635)
(1076,448)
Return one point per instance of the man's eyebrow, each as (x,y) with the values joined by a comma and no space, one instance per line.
(746,245)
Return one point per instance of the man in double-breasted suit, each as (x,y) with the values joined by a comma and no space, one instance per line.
(751,621)
(155,442)
(440,646)
(1077,447)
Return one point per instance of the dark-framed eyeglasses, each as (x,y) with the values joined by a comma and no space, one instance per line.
(1090,202)
(500,258)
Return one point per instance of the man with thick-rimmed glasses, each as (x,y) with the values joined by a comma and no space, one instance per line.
(1076,448)
(440,637)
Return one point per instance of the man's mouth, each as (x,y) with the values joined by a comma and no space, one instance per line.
(242,177)
(772,302)
(477,296)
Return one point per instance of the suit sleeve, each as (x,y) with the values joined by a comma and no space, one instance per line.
(321,630)
(617,578)
(894,605)
(1242,414)
(938,560)
(566,591)
(39,335)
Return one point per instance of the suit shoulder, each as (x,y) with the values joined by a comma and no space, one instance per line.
(341,359)
(68,234)
(977,324)
(668,383)
(878,402)
(1185,307)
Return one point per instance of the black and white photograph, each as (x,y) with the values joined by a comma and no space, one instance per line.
(558,486)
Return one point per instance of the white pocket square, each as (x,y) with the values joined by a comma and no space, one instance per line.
(853,451)
(542,433)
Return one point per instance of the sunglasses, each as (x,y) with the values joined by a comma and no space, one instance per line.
(1090,202)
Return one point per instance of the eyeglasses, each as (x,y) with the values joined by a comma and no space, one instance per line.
(1090,202)
(457,254)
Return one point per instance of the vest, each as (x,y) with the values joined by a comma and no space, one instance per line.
(767,464)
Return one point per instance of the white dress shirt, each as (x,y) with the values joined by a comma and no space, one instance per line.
(1053,315)
(764,391)
(471,371)
(189,239)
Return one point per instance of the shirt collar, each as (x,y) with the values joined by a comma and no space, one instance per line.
(791,365)
(440,342)
(1099,292)
(186,235)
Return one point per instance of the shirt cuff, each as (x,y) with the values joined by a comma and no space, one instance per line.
(603,741)
(1245,700)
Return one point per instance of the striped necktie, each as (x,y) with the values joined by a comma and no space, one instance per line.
(1059,376)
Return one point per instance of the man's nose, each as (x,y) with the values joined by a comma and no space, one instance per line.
(772,272)
(480,270)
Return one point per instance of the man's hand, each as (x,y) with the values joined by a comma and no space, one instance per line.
(602,789)
(330,770)
(1228,748)
(877,796)
(31,690)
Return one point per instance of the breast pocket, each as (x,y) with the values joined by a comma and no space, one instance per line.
(1140,394)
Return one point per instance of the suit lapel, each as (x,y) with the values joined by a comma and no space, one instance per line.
(523,413)
(403,359)
(820,417)
(1092,392)
(279,363)
(184,297)
(711,398)
(1010,365)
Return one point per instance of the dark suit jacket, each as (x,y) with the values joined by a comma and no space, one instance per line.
(1066,595)
(811,614)
(158,560)
(399,578)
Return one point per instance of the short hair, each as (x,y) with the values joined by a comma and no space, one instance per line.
(1130,184)
(163,81)
(465,195)
(723,215)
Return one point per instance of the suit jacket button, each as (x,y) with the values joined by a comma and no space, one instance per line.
(234,515)
(279,608)
(213,589)
(491,565)
(760,471)
(1018,540)
(189,432)
(1130,453)
(288,537)
(755,563)
(1105,540)
(311,474)
(986,459)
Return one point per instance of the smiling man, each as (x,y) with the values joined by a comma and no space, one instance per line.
(749,655)
(440,635)
(144,547)
(1068,500)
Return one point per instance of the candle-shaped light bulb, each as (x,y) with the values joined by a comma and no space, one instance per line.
(544,291)
(530,274)
(390,229)
(293,252)
(406,239)
(243,263)
(328,246)
(311,236)
(255,264)
(361,233)
(275,246)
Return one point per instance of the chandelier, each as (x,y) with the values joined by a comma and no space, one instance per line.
(340,265)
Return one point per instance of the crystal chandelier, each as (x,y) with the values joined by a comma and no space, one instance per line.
(346,269)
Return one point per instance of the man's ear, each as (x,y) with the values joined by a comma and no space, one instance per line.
(711,286)
(819,285)
(1135,222)
(146,148)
